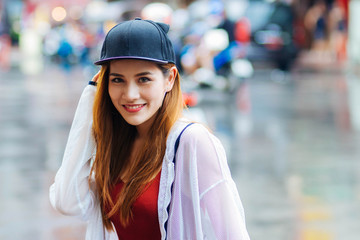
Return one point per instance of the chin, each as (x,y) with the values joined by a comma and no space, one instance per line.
(134,122)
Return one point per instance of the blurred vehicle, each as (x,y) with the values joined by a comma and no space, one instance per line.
(271,38)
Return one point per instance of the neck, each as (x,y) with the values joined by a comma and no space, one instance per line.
(143,129)
(142,132)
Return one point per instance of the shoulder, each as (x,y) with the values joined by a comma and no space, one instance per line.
(196,132)
(198,146)
(191,131)
(199,136)
(192,134)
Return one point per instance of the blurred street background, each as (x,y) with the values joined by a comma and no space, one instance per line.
(277,81)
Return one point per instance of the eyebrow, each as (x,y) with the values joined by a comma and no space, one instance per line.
(137,75)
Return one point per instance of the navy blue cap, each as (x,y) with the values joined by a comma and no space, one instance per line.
(138,39)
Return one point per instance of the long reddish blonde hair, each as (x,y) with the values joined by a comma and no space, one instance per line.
(114,139)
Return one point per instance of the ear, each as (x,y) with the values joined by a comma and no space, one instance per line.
(171,78)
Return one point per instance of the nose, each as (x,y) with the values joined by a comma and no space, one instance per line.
(131,92)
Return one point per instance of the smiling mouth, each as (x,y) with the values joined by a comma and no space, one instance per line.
(134,107)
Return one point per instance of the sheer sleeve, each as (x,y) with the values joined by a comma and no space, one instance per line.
(70,193)
(221,210)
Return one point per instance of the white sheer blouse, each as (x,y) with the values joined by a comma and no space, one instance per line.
(204,202)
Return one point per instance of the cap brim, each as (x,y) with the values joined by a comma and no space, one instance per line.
(105,60)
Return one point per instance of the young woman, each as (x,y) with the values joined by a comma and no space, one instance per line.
(133,167)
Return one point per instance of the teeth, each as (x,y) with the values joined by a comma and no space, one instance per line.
(134,107)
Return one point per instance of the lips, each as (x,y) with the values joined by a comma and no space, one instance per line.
(133,107)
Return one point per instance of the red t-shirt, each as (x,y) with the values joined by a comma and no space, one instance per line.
(145,223)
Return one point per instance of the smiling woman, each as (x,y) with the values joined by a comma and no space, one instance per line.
(119,170)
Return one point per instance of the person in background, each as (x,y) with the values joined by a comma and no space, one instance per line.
(5,39)
(125,168)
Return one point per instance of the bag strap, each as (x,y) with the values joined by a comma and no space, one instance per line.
(177,142)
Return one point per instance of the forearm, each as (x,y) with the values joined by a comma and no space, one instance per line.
(70,194)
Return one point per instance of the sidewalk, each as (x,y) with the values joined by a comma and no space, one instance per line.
(35,117)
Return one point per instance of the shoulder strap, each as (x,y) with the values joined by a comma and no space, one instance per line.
(177,142)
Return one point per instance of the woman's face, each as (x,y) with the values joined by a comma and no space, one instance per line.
(137,89)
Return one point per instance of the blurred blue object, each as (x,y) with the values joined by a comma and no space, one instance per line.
(226,56)
(65,52)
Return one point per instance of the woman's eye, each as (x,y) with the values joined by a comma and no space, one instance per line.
(117,80)
(144,80)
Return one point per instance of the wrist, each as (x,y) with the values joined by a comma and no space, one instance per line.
(92,83)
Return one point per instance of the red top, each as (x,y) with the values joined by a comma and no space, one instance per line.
(145,223)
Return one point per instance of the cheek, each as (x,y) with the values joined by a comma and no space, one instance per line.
(157,95)
(152,97)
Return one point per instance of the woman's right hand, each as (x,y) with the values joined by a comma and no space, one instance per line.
(96,77)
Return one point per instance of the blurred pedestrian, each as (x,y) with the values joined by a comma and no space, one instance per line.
(338,33)
(65,53)
(119,170)
(5,52)
(315,20)
(5,39)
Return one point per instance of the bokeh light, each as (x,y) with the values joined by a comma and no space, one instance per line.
(58,14)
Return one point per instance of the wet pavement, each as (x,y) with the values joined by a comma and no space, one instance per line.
(292,144)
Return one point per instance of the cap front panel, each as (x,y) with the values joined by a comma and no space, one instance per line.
(145,41)
(118,42)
